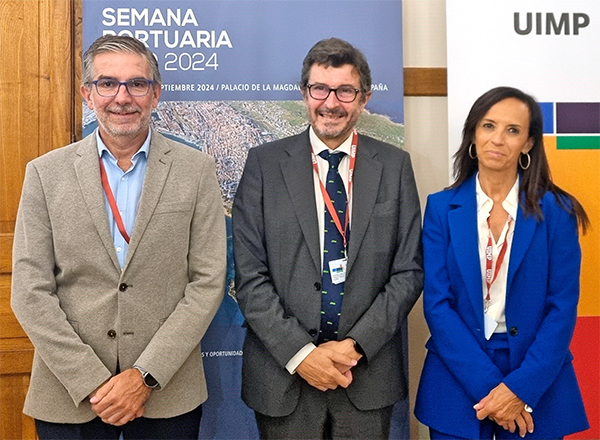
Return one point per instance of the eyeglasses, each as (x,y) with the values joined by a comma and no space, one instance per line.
(109,87)
(321,92)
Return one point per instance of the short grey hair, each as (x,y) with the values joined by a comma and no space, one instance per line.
(118,44)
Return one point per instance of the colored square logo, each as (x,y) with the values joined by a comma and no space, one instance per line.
(548,114)
(578,117)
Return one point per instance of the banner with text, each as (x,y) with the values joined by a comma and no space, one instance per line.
(231,71)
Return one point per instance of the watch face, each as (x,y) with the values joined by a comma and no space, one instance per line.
(150,381)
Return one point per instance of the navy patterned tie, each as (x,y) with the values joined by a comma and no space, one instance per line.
(333,249)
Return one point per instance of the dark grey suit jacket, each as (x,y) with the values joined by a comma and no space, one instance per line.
(278,270)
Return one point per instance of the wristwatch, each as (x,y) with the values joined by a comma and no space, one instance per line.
(148,379)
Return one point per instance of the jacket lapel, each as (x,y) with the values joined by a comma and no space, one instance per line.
(87,170)
(462,222)
(298,177)
(157,171)
(524,230)
(367,176)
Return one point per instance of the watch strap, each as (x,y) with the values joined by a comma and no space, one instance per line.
(147,378)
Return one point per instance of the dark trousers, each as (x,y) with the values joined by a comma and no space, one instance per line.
(326,415)
(185,426)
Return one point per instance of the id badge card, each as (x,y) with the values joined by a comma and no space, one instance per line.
(337,270)
(490,325)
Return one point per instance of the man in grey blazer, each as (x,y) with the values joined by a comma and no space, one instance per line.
(119,265)
(306,374)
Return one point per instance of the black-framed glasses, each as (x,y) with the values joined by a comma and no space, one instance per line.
(321,92)
(109,87)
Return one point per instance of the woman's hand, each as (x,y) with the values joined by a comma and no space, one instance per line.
(502,406)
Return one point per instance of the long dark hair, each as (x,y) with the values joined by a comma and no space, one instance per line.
(536,179)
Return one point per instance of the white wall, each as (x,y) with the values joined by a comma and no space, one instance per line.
(426,139)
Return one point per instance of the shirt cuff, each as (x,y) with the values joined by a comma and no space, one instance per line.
(299,357)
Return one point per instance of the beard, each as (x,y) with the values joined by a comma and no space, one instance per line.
(337,128)
(129,129)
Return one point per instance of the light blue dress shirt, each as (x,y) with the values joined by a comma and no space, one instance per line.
(127,191)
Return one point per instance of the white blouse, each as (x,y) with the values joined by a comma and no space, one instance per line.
(496,305)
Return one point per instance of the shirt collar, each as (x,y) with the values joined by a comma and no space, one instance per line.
(510,204)
(318,145)
(143,149)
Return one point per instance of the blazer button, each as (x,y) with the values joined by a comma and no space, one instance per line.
(111,334)
(313,332)
(123,287)
(317,286)
(513,331)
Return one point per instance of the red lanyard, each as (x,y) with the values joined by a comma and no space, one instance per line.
(112,203)
(489,279)
(327,199)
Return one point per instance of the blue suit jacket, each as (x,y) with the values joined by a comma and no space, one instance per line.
(541,310)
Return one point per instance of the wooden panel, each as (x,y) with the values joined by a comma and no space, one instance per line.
(6,241)
(77,104)
(56,74)
(36,90)
(425,81)
(37,86)
(19,95)
(10,327)
(13,423)
(16,356)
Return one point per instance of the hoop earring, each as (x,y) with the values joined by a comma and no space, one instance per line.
(471,155)
(528,161)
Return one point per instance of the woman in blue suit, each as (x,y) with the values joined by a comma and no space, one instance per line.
(502,263)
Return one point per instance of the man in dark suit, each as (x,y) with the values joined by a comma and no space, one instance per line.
(327,230)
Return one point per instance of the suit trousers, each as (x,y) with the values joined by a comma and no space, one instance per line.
(326,415)
(185,426)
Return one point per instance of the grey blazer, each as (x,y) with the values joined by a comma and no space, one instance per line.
(278,273)
(83,313)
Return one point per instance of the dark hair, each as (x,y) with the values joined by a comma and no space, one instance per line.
(334,52)
(536,180)
(118,44)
